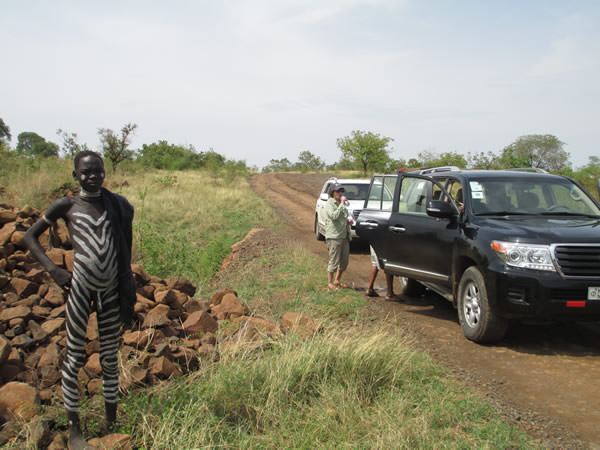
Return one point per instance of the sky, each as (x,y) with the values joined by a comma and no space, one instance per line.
(267,79)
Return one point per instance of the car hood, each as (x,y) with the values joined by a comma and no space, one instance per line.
(541,230)
(355,204)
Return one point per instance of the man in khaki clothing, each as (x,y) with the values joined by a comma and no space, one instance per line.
(337,235)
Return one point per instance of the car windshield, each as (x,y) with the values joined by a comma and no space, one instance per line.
(539,196)
(355,191)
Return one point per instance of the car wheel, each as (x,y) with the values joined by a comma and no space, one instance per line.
(410,287)
(318,234)
(478,319)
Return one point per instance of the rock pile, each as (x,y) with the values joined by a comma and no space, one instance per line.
(172,333)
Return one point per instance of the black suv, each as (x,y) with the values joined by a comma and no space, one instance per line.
(500,245)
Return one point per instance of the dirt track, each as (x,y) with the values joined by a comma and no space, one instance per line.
(545,377)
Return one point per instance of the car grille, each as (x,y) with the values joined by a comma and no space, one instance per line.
(578,260)
(356,213)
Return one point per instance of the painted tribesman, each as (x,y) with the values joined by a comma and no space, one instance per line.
(99,224)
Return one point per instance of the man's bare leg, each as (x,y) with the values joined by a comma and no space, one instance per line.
(370,290)
(330,283)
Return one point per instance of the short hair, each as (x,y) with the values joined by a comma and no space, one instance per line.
(83,154)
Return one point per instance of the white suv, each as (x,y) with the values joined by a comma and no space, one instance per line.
(356,192)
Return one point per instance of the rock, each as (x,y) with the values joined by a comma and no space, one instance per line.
(10,431)
(263,326)
(200,322)
(92,347)
(146,291)
(40,312)
(16,322)
(46,396)
(43,290)
(57,256)
(59,442)
(207,352)
(140,308)
(92,366)
(6,215)
(91,332)
(62,233)
(229,307)
(53,325)
(50,356)
(157,317)
(37,276)
(146,301)
(10,372)
(27,211)
(139,339)
(17,238)
(303,326)
(162,349)
(140,275)
(6,232)
(18,400)
(54,296)
(186,358)
(59,311)
(166,296)
(5,350)
(218,296)
(94,386)
(69,260)
(163,368)
(112,441)
(37,332)
(22,341)
(194,305)
(4,280)
(49,376)
(181,284)
(23,288)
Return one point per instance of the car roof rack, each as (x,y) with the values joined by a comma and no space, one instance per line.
(431,170)
(527,169)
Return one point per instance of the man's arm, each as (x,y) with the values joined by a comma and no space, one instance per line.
(58,210)
(336,210)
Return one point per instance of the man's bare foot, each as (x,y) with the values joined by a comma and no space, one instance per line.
(332,287)
(340,284)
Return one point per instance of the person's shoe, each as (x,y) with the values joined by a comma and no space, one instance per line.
(76,441)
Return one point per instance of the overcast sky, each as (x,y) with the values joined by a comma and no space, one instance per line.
(257,80)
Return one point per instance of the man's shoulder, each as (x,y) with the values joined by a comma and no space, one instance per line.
(121,200)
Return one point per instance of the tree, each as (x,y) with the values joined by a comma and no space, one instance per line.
(114,147)
(429,158)
(4,131)
(26,141)
(307,162)
(70,145)
(45,149)
(543,151)
(366,149)
(482,160)
(278,165)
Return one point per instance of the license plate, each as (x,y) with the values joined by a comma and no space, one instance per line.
(594,293)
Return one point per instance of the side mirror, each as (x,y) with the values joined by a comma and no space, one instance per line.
(324,196)
(440,209)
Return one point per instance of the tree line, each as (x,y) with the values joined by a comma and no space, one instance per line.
(115,147)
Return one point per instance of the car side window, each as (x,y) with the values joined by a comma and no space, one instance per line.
(389,187)
(413,195)
(374,200)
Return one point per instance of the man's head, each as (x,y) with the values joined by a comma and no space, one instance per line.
(337,190)
(89,170)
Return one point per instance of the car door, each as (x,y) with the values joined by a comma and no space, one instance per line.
(419,246)
(321,202)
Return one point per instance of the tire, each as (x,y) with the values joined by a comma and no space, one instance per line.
(410,287)
(319,236)
(478,319)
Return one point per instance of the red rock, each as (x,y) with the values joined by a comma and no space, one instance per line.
(200,322)
(139,274)
(218,296)
(27,211)
(53,325)
(50,356)
(194,305)
(46,398)
(262,326)
(163,368)
(49,376)
(303,326)
(208,339)
(59,311)
(17,239)
(63,235)
(40,311)
(7,215)
(14,312)
(6,232)
(207,352)
(37,332)
(5,349)
(112,441)
(92,366)
(69,260)
(138,339)
(92,347)
(18,400)
(91,332)
(54,296)
(146,301)
(141,308)
(43,290)
(15,322)
(157,317)
(37,276)
(229,307)
(4,280)
(23,288)
(181,284)
(166,296)
(57,256)
(10,372)
(94,386)
(146,291)
(59,442)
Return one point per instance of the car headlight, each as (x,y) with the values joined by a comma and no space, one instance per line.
(525,256)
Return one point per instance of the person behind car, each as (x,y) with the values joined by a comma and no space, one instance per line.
(389,279)
(337,236)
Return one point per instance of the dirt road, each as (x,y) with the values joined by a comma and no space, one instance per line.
(545,377)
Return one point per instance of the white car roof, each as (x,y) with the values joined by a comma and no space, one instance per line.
(350,180)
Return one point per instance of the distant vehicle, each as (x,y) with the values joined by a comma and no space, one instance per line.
(356,193)
(500,245)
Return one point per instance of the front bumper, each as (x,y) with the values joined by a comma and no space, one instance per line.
(521,293)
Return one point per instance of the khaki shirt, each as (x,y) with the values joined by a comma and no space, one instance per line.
(336,220)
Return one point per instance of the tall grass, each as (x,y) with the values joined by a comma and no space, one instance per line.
(359,389)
